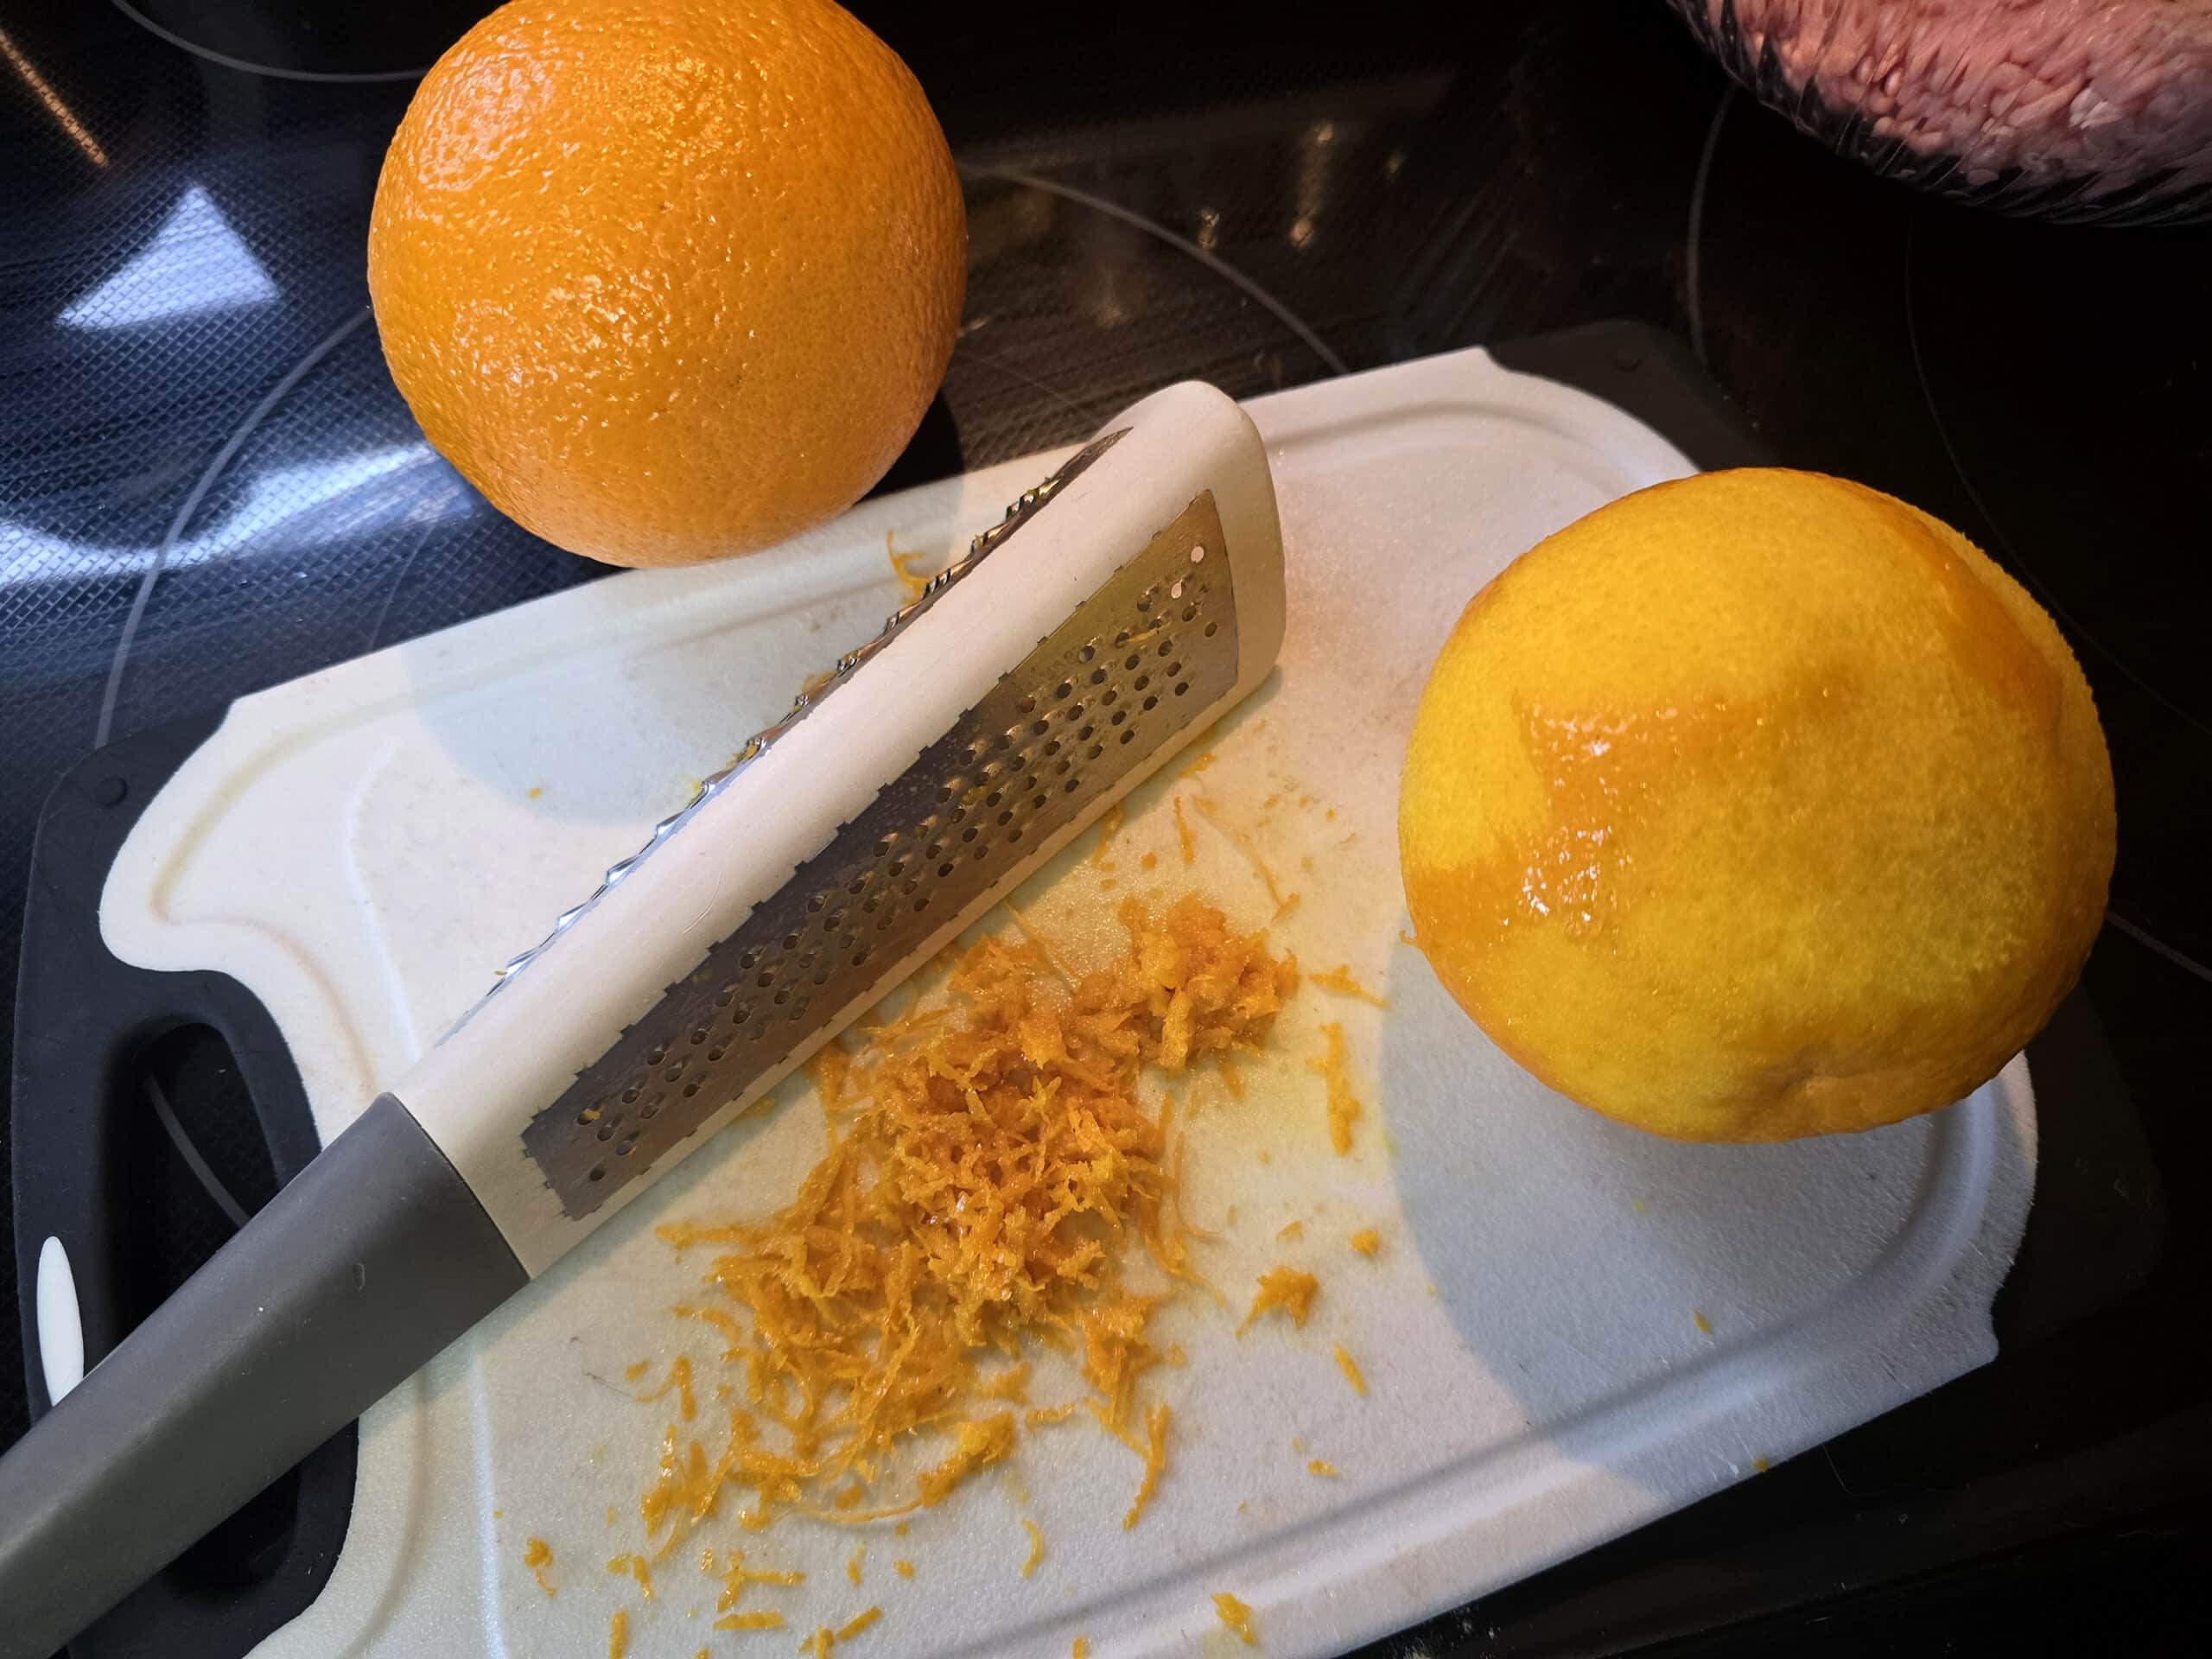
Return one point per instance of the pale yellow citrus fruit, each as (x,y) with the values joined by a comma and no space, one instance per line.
(1757,805)
(669,279)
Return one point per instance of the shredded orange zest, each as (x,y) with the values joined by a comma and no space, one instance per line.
(859,1622)
(1200,763)
(1245,845)
(632,1373)
(1155,1462)
(995,1163)
(1405,936)
(1234,1614)
(1043,1416)
(1184,837)
(900,1529)
(903,1568)
(537,1556)
(1285,1288)
(1036,1547)
(617,1634)
(1287,906)
(1149,860)
(1366,1241)
(819,1644)
(636,1566)
(1081,1649)
(1761,1465)
(1109,825)
(725,1322)
(1704,1325)
(912,582)
(827,1071)
(768,1620)
(735,1575)
(1323,1468)
(1291,1230)
(610,1515)
(1343,1105)
(853,1567)
(679,1378)
(1231,1079)
(1349,1367)
(1011,1383)
(1339,980)
(1044,946)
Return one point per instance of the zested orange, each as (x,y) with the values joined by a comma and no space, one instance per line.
(1757,805)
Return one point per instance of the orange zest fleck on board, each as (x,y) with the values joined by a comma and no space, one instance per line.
(638,1568)
(722,1320)
(859,1622)
(912,582)
(1349,1367)
(1343,1105)
(1287,1288)
(994,1165)
(1183,836)
(766,1619)
(853,1566)
(1199,765)
(1036,1546)
(1081,1649)
(678,1378)
(1761,1465)
(1234,1614)
(1109,825)
(903,1568)
(1155,1462)
(735,1575)
(1338,982)
(1011,1385)
(537,1556)
(1366,1241)
(1284,909)
(1149,860)
(1290,1229)
(617,1634)
(632,1373)
(1704,1325)
(1244,844)
(1406,938)
(1322,1468)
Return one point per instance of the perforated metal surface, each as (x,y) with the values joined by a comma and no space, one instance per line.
(1130,670)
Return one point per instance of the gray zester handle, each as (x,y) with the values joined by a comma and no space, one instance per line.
(351,1278)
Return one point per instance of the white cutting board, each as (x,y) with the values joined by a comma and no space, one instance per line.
(361,847)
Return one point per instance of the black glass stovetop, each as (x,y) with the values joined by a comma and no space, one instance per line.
(208,485)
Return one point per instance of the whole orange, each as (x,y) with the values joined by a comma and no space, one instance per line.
(1755,805)
(669,279)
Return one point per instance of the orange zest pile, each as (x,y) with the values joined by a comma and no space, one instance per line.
(997,1161)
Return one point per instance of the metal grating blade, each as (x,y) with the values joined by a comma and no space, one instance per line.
(1114,683)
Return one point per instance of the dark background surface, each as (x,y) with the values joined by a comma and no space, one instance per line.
(181,326)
